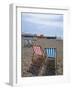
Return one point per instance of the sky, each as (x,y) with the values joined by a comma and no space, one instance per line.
(46,24)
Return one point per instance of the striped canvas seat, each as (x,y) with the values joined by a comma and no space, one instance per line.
(51,52)
(37,50)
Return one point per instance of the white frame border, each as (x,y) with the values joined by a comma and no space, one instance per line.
(15,79)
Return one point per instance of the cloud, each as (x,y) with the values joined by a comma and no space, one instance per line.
(42,19)
(49,17)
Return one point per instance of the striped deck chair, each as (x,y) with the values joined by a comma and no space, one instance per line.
(38,59)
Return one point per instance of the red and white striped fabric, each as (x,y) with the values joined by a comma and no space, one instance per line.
(37,50)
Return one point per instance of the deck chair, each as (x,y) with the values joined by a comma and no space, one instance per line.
(38,59)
